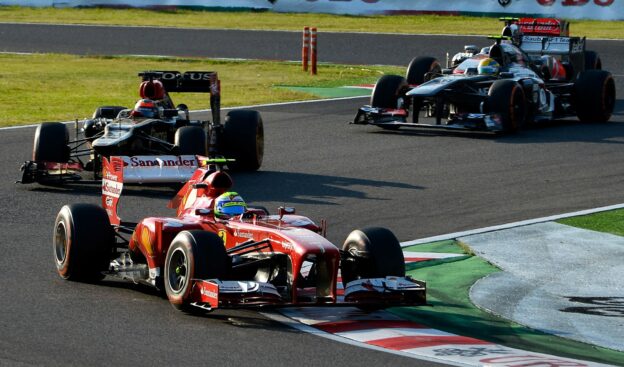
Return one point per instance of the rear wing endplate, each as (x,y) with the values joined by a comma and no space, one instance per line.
(112,185)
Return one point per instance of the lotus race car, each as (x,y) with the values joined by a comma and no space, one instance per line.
(157,141)
(541,74)
(203,260)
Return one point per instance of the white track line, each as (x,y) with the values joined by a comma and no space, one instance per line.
(223,109)
(510,225)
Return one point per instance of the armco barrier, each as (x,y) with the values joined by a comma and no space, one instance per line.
(571,9)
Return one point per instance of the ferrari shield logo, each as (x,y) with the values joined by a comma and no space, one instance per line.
(223,236)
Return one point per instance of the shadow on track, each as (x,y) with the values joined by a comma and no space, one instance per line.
(303,188)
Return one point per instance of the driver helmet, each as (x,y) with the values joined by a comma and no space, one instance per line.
(488,66)
(145,108)
(229,204)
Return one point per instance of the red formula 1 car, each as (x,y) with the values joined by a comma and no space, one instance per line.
(204,260)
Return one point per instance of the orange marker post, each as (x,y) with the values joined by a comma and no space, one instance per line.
(313,51)
(305,48)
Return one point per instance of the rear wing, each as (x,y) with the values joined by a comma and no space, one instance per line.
(544,27)
(192,82)
(120,170)
(552,45)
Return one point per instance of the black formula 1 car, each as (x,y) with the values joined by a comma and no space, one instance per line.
(544,75)
(157,141)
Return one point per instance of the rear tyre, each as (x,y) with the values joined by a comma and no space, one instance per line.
(243,139)
(387,91)
(371,253)
(190,140)
(592,61)
(107,112)
(594,96)
(507,99)
(83,242)
(419,66)
(193,255)
(50,144)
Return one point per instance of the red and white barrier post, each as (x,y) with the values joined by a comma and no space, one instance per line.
(313,51)
(305,48)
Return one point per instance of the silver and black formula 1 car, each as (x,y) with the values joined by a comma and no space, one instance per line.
(543,74)
(157,140)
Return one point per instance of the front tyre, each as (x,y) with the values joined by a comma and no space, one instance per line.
(193,255)
(594,96)
(419,67)
(371,252)
(83,242)
(50,144)
(387,91)
(243,139)
(506,99)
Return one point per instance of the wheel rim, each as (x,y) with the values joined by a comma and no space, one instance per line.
(178,270)
(60,243)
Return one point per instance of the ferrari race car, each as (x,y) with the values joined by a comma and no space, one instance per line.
(533,72)
(158,141)
(219,253)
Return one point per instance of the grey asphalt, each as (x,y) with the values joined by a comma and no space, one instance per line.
(363,48)
(417,183)
(562,280)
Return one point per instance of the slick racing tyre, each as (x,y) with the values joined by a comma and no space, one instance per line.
(50,144)
(419,66)
(83,242)
(592,61)
(594,96)
(190,140)
(107,112)
(387,91)
(193,255)
(506,98)
(243,139)
(371,253)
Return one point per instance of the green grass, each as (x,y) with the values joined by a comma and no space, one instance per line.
(609,222)
(448,284)
(413,24)
(47,87)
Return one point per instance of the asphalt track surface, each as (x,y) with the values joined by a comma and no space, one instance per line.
(417,183)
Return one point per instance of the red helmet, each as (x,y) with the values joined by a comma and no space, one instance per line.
(145,108)
(152,89)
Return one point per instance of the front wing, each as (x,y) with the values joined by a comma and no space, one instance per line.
(382,292)
(147,169)
(393,119)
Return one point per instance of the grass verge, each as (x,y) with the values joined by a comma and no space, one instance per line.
(609,222)
(448,284)
(407,24)
(50,87)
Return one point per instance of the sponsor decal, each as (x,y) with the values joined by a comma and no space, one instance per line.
(162,162)
(244,234)
(109,201)
(208,293)
(111,188)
